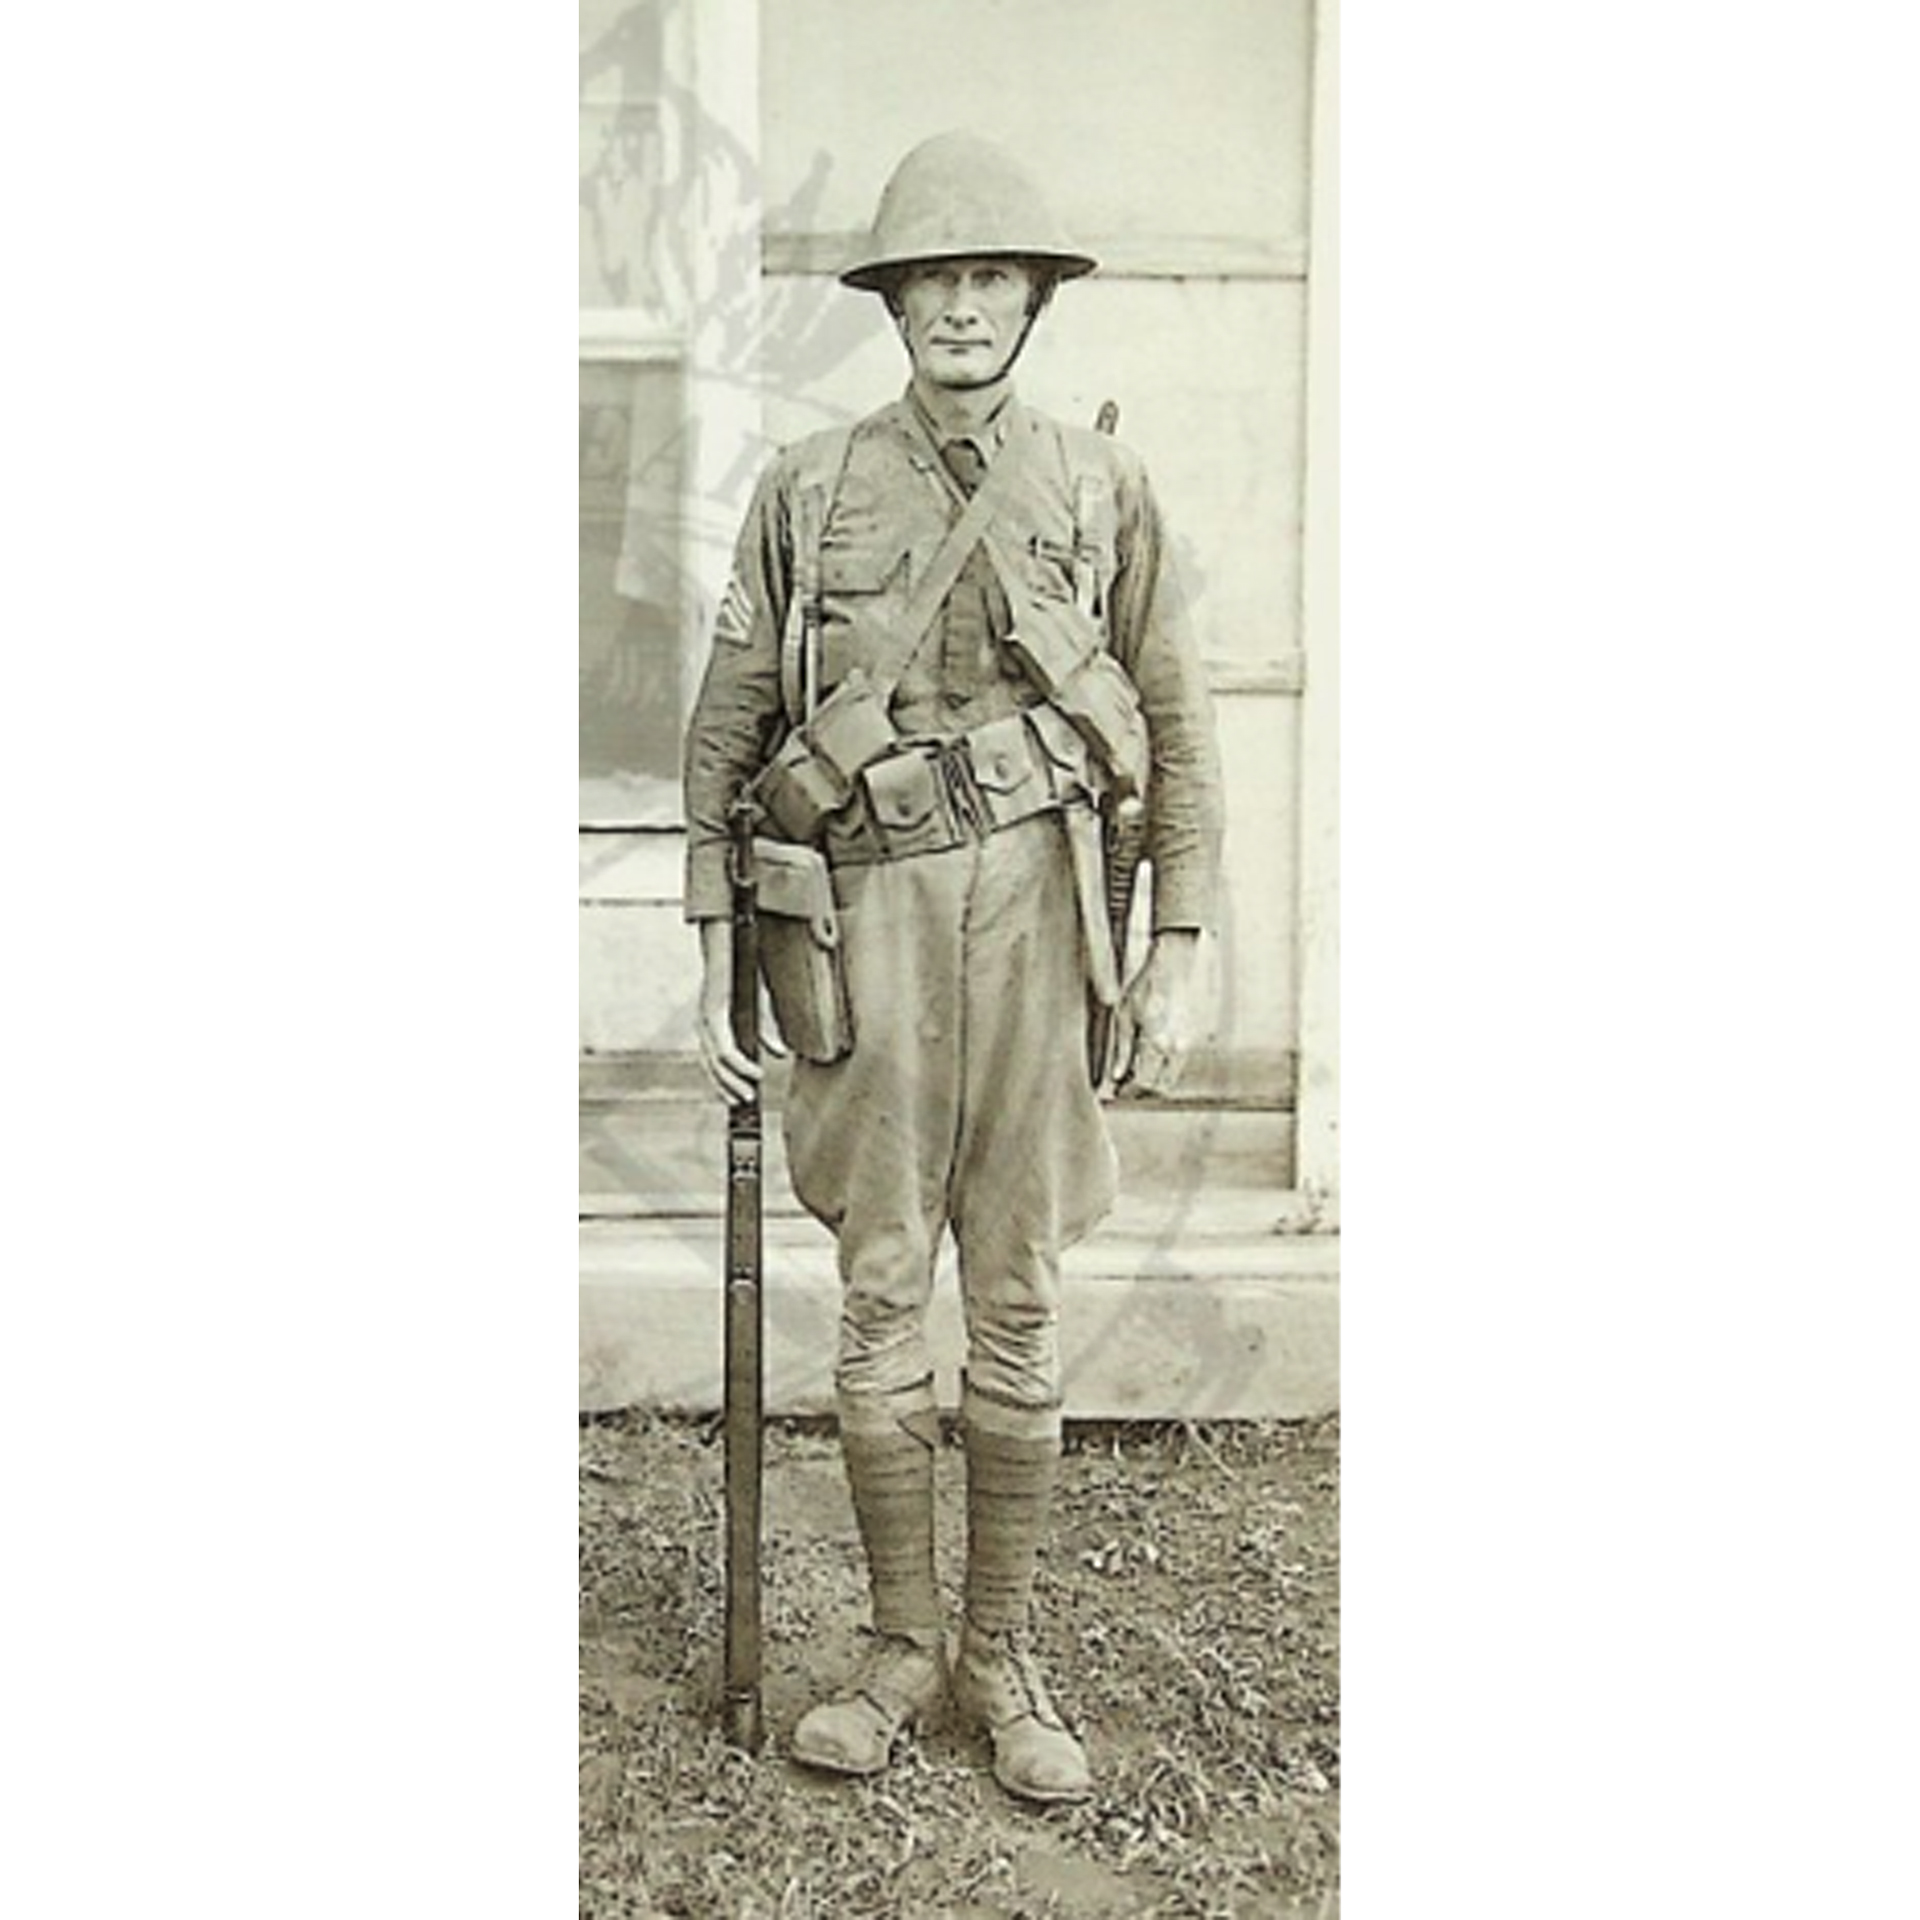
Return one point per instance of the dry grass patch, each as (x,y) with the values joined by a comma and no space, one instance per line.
(1189,1614)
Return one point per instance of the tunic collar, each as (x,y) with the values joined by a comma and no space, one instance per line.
(987,439)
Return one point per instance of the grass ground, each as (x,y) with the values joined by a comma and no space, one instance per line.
(1188,1614)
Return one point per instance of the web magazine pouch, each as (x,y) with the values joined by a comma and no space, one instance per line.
(1060,651)
(800,953)
(812,775)
(1103,707)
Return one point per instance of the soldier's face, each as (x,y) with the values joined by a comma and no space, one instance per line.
(962,319)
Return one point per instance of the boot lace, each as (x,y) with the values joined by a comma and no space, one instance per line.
(1015,1655)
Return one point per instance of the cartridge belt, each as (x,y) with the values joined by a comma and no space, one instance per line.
(931,794)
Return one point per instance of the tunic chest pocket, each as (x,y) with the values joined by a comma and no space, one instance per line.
(853,583)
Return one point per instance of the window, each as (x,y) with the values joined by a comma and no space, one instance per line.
(635,601)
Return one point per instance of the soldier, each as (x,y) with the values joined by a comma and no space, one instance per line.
(940,712)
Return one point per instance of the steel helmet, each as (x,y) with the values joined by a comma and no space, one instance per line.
(957,196)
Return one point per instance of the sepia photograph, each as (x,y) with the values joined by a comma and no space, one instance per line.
(958,906)
(1196,621)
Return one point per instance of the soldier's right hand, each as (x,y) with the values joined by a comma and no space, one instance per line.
(734,1076)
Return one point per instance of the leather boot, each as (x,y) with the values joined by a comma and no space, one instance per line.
(1013,1456)
(887,1442)
(897,1685)
(997,1685)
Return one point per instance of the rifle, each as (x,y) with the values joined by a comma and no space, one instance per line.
(744,1386)
(1124,838)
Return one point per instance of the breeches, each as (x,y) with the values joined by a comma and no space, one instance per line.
(964,1105)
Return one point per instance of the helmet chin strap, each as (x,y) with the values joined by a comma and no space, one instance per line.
(1035,308)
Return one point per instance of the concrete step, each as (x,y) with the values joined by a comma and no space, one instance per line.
(1213,1314)
(665,1156)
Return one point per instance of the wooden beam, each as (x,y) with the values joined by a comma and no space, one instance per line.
(1163,256)
(1318,1143)
(625,334)
(1280,673)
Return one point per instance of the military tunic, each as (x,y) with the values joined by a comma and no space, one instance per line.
(965,1103)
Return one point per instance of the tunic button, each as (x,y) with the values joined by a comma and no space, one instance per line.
(953,700)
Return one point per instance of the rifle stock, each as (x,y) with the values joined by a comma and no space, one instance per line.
(744,1314)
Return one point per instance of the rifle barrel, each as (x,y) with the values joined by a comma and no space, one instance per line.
(744,1314)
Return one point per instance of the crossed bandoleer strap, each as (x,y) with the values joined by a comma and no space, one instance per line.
(974,526)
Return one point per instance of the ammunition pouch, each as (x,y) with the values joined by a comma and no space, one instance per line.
(800,953)
(1069,764)
(1050,639)
(931,795)
(1012,776)
(812,776)
(1059,649)
(797,792)
(1103,707)
(851,727)
(912,803)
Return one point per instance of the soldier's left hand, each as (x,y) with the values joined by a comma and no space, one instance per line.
(1159,1019)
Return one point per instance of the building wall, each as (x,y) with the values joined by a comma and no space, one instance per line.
(1156,119)
(1175,141)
